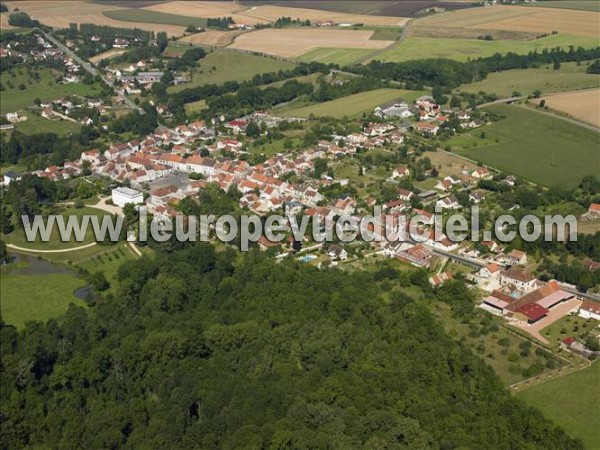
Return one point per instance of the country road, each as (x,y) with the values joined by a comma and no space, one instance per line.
(405,33)
(90,69)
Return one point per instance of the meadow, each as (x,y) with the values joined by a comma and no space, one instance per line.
(465,49)
(582,5)
(569,77)
(571,402)
(24,299)
(341,56)
(220,66)
(353,106)
(37,124)
(15,99)
(537,147)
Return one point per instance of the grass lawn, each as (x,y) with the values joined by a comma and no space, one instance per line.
(569,77)
(464,49)
(37,297)
(543,149)
(15,99)
(19,238)
(353,105)
(37,124)
(568,326)
(194,107)
(222,65)
(571,402)
(341,56)
(109,261)
(147,16)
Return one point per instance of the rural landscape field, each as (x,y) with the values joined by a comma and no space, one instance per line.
(292,224)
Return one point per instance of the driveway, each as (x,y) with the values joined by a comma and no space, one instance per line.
(556,313)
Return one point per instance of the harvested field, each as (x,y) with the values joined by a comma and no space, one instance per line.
(107,54)
(213,38)
(394,8)
(580,105)
(267,13)
(60,13)
(516,18)
(294,42)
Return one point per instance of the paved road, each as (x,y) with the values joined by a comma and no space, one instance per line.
(62,250)
(90,69)
(500,100)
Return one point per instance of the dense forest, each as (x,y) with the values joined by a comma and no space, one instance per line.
(213,349)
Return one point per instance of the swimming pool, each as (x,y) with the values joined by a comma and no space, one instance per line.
(307,258)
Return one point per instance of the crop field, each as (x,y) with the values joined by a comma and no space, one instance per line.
(516,18)
(15,99)
(534,146)
(396,8)
(254,14)
(571,402)
(464,49)
(570,77)
(580,105)
(583,5)
(60,13)
(223,65)
(213,38)
(291,43)
(107,54)
(143,15)
(353,105)
(341,56)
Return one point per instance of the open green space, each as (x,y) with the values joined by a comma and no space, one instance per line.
(353,105)
(534,146)
(341,56)
(37,297)
(108,261)
(569,77)
(571,402)
(45,89)
(221,65)
(19,239)
(147,16)
(38,124)
(464,49)
(568,326)
(583,5)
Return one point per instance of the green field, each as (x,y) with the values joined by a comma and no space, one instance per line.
(572,402)
(569,77)
(37,297)
(194,107)
(543,149)
(464,49)
(583,5)
(37,124)
(220,66)
(18,237)
(146,16)
(353,105)
(341,56)
(15,99)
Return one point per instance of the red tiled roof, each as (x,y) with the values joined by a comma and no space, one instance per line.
(533,311)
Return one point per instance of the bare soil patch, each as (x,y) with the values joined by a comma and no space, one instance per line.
(293,42)
(107,54)
(213,38)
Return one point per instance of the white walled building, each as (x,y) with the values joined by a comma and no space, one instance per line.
(123,195)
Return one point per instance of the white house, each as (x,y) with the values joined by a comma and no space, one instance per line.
(401,171)
(590,309)
(123,195)
(519,278)
(337,253)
